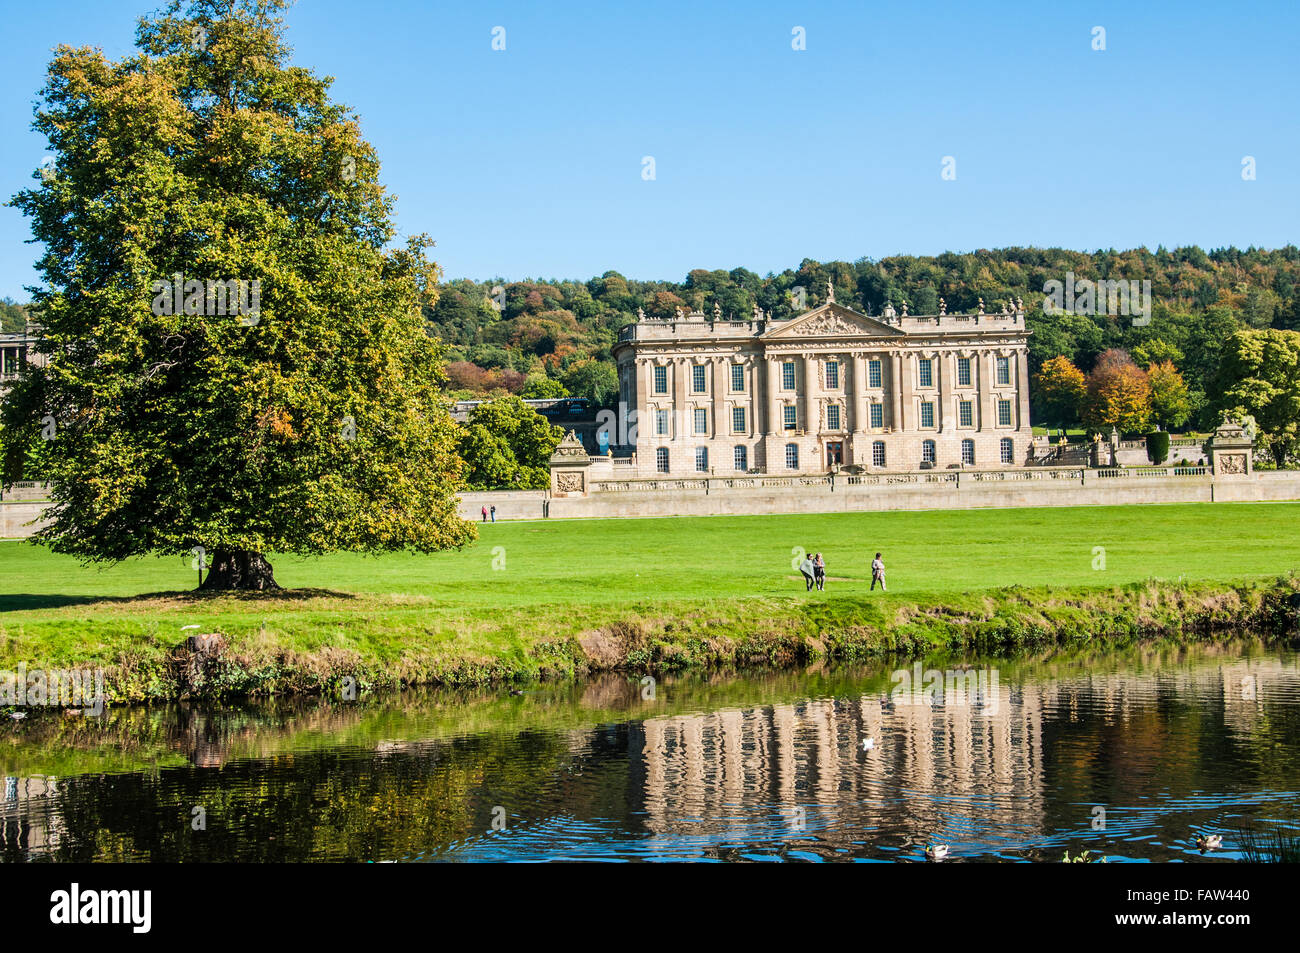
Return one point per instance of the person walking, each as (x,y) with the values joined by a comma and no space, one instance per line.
(878,573)
(494,512)
(806,567)
(485,514)
(819,572)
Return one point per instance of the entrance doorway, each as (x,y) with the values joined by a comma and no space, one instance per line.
(835,454)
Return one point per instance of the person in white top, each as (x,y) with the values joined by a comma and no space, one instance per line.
(806,567)
(878,573)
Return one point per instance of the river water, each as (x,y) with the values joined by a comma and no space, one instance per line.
(1129,754)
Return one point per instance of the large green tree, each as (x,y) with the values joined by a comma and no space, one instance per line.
(507,446)
(310,424)
(1260,376)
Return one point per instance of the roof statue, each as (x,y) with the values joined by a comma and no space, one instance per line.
(830,291)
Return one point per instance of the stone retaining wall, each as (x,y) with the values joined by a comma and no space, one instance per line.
(928,490)
(901,491)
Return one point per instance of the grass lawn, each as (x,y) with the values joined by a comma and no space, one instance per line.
(555,579)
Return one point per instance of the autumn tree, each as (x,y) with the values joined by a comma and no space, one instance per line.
(1059,389)
(1119,395)
(1171,402)
(307,419)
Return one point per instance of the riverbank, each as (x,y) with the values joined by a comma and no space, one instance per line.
(675,636)
(562,600)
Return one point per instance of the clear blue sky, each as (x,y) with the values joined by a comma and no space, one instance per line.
(527,162)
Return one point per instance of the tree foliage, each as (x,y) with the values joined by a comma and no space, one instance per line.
(1260,377)
(507,445)
(1119,395)
(1059,390)
(313,425)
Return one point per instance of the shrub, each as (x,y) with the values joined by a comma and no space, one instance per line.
(1158,447)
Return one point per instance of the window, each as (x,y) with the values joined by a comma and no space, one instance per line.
(877,416)
(701,420)
(661,380)
(873,373)
(737,419)
(738,377)
(742,459)
(1008,450)
(832,375)
(787,375)
(968,451)
(927,413)
(702,459)
(1004,370)
(963,372)
(792,456)
(697,378)
(833,417)
(925,366)
(661,459)
(878,453)
(1004,413)
(927,451)
(661,423)
(788,417)
(965,413)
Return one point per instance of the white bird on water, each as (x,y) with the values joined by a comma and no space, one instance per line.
(936,852)
(1209,842)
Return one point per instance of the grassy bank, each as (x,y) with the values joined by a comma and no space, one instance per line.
(561,599)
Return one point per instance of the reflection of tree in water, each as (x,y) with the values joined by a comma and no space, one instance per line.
(331,804)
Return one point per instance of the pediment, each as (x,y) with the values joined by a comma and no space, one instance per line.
(832,321)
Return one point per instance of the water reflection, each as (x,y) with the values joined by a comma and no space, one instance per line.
(1155,743)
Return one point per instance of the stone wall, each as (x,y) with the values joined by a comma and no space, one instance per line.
(15,517)
(930,490)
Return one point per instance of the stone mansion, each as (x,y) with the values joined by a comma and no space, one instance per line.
(829,388)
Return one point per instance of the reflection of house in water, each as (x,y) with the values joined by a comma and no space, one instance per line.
(705,774)
(1247,683)
(28,822)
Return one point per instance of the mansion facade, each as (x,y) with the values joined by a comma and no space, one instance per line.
(15,351)
(829,388)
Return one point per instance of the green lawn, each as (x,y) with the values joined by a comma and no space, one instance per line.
(558,578)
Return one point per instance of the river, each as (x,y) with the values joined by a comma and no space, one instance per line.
(1129,754)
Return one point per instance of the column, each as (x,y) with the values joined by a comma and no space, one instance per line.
(859,380)
(640,415)
(810,392)
(772,425)
(721,420)
(947,413)
(988,375)
(682,425)
(1022,378)
(903,369)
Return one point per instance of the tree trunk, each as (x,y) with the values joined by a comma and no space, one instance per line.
(239,569)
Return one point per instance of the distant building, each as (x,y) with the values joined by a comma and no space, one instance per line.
(828,388)
(16,350)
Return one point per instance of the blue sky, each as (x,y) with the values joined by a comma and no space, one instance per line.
(527,162)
